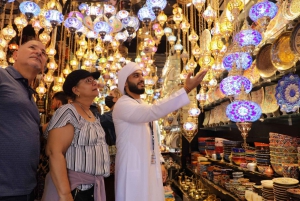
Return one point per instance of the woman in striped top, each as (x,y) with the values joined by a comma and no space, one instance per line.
(77,150)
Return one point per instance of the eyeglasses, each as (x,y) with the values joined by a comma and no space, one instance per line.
(89,80)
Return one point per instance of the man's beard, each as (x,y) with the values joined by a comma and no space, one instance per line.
(134,88)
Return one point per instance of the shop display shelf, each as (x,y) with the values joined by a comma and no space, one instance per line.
(217,188)
(262,83)
(245,170)
(177,185)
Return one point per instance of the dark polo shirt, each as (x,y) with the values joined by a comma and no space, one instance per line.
(19,134)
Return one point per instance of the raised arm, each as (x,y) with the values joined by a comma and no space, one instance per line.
(59,140)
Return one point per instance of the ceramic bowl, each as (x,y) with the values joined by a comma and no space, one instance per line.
(238,150)
(267,183)
(262,168)
(277,167)
(238,160)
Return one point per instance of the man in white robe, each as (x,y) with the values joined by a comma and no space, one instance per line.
(136,177)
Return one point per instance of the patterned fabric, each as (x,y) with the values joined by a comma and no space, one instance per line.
(88,151)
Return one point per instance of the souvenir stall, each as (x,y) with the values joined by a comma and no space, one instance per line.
(238,137)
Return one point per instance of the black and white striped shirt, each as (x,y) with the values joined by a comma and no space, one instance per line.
(88,151)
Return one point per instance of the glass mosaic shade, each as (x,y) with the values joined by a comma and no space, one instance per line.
(30,9)
(248,37)
(263,9)
(231,85)
(243,111)
(102,28)
(145,15)
(241,59)
(73,24)
(54,17)
(156,5)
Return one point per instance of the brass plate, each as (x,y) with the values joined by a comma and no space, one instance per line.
(263,62)
(252,73)
(282,56)
(295,40)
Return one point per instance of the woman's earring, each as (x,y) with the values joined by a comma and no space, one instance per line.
(78,95)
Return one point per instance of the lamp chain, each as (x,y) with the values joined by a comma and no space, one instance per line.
(3,17)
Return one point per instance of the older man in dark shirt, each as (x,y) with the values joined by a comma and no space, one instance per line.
(19,127)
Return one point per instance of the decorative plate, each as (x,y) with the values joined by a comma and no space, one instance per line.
(258,96)
(288,93)
(206,118)
(224,117)
(282,56)
(243,111)
(263,62)
(295,39)
(212,117)
(285,181)
(270,103)
(295,7)
(252,73)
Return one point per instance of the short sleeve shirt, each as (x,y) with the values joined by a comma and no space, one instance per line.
(88,151)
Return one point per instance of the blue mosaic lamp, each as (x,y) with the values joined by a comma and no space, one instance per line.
(231,85)
(73,24)
(262,12)
(102,28)
(145,15)
(243,111)
(29,9)
(241,59)
(54,17)
(156,5)
(248,38)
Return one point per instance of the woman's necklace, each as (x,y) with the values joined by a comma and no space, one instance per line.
(84,110)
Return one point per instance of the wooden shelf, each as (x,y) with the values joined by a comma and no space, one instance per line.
(245,170)
(219,189)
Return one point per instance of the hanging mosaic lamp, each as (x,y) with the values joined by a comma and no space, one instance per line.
(209,15)
(8,32)
(156,5)
(262,12)
(198,4)
(122,14)
(109,10)
(29,9)
(93,11)
(145,15)
(248,38)
(231,85)
(162,18)
(243,111)
(241,59)
(102,28)
(54,17)
(73,24)
(121,37)
(234,7)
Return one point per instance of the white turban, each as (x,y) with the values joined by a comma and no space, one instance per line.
(123,74)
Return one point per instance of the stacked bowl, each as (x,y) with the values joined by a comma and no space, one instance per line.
(262,155)
(250,155)
(281,185)
(267,190)
(238,156)
(228,145)
(201,145)
(283,149)
(210,146)
(219,149)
